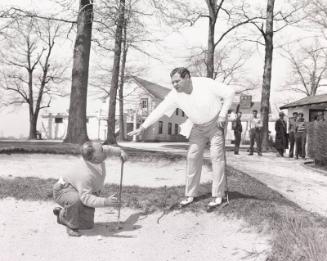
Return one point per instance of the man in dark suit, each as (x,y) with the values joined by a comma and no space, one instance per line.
(237,127)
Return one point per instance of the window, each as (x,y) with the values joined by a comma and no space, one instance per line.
(58,120)
(170,125)
(177,111)
(144,103)
(176,128)
(183,114)
(160,127)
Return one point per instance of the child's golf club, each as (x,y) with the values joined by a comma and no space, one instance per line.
(119,226)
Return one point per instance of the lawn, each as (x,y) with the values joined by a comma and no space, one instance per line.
(297,234)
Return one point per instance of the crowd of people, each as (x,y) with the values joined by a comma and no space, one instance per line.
(290,136)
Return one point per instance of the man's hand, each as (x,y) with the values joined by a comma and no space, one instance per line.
(137,132)
(112,201)
(123,155)
(221,122)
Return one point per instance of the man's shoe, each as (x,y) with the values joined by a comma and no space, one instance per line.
(215,202)
(251,153)
(186,201)
(73,232)
(56,212)
(259,154)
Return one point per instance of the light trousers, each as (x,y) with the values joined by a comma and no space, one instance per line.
(199,137)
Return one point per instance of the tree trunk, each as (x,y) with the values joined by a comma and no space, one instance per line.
(266,84)
(121,89)
(33,123)
(111,139)
(77,131)
(211,49)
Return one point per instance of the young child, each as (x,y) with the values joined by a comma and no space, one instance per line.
(78,190)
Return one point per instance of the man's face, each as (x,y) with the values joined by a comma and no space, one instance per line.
(295,116)
(180,84)
(255,114)
(239,115)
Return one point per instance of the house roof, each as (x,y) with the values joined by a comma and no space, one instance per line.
(154,89)
(306,101)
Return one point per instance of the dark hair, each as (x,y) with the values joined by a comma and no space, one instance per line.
(301,114)
(295,113)
(254,111)
(182,71)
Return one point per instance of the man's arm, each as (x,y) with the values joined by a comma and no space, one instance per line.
(166,106)
(226,93)
(115,151)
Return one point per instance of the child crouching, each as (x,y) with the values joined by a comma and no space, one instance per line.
(78,190)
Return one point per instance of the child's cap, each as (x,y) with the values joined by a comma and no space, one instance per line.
(93,152)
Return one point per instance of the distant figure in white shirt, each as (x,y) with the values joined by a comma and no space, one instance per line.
(206,103)
(255,126)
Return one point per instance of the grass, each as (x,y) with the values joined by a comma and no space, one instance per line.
(296,234)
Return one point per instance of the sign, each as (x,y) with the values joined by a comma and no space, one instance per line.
(245,101)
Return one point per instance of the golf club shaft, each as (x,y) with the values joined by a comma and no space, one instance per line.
(120,188)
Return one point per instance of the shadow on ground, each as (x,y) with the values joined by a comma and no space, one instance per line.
(113,229)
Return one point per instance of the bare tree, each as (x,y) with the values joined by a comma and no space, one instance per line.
(133,35)
(309,69)
(317,13)
(282,19)
(229,66)
(111,139)
(77,131)
(230,15)
(29,72)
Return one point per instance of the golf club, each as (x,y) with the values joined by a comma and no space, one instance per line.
(119,226)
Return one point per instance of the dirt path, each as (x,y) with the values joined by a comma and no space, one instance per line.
(28,231)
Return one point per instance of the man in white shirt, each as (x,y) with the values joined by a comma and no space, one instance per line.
(255,126)
(206,103)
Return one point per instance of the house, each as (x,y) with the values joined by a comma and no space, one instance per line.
(310,106)
(140,98)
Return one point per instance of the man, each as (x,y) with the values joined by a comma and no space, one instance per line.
(291,133)
(281,141)
(206,103)
(255,125)
(300,136)
(237,127)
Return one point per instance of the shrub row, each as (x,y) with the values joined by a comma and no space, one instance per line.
(317,141)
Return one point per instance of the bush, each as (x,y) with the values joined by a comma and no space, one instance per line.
(317,142)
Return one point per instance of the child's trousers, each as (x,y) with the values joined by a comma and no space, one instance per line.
(74,214)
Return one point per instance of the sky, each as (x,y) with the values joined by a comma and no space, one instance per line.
(171,50)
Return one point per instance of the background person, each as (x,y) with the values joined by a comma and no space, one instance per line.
(206,103)
(291,133)
(78,190)
(237,127)
(300,136)
(281,140)
(255,126)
